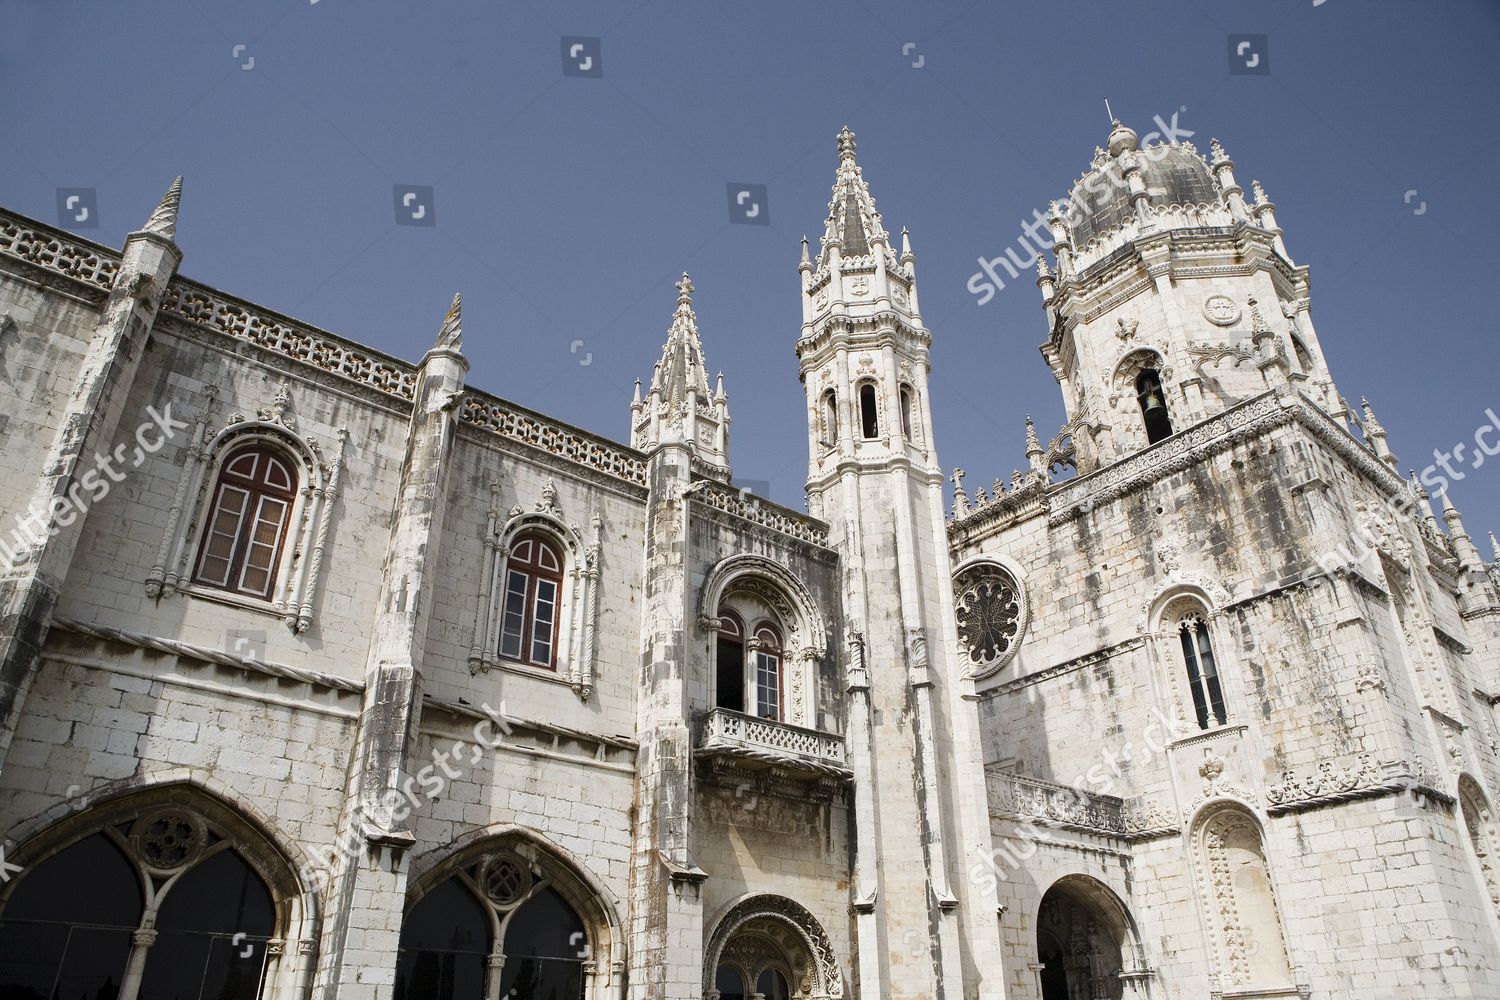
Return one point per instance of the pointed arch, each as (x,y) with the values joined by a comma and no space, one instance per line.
(784,918)
(183,842)
(531,869)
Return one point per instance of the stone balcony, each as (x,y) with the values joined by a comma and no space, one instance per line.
(1016,797)
(774,755)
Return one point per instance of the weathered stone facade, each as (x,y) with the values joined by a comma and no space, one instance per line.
(447,698)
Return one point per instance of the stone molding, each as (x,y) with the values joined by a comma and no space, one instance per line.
(1017,796)
(759,513)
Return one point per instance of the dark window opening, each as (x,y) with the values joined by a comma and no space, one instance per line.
(830,419)
(1148,392)
(869,419)
(1203,674)
(731,663)
(906,411)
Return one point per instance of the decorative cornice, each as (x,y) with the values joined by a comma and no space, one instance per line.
(1333,782)
(759,512)
(51,250)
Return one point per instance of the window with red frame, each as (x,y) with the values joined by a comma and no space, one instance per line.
(247,522)
(767,673)
(533,591)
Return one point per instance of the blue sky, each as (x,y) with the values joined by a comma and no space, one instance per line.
(566,206)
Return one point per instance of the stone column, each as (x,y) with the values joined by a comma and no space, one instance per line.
(83,444)
(370,878)
(666,907)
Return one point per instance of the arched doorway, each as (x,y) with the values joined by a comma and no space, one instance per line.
(773,947)
(1083,942)
(165,893)
(504,919)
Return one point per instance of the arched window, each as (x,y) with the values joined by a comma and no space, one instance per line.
(1202,671)
(730,673)
(830,418)
(868,413)
(773,985)
(906,411)
(767,646)
(729,983)
(533,585)
(447,939)
(247,522)
(165,895)
(1153,403)
(445,944)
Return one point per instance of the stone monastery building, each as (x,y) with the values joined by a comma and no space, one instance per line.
(324,674)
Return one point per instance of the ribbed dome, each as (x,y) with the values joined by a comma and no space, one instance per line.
(1100,200)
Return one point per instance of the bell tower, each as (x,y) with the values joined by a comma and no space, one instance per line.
(1173,297)
(921,814)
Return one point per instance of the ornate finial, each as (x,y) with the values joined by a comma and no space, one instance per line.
(1122,139)
(163,221)
(1036,457)
(637,400)
(905,242)
(1259,193)
(1257,321)
(960,498)
(1042,270)
(846,143)
(1217,151)
(805,258)
(684,290)
(719,387)
(451,335)
(1495,546)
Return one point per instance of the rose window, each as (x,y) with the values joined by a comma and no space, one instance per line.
(991,616)
(168,839)
(506,880)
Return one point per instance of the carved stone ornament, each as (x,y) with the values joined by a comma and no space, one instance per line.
(1326,780)
(1125,327)
(992,613)
(1221,310)
(168,839)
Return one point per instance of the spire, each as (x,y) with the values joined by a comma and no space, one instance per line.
(682,368)
(1424,505)
(451,336)
(1463,545)
(163,221)
(1034,453)
(805,258)
(678,397)
(1375,434)
(1495,546)
(852,223)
